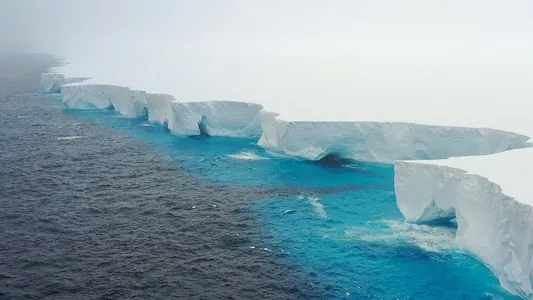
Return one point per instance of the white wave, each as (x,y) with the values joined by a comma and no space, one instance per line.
(428,238)
(493,296)
(146,125)
(247,156)
(319,207)
(74,137)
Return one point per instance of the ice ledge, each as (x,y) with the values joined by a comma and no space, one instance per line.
(495,225)
(383,142)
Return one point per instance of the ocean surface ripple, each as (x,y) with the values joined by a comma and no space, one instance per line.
(88,213)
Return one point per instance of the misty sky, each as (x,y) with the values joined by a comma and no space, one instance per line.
(357,60)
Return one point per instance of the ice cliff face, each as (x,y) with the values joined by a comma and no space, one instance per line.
(380,141)
(52,82)
(491,225)
(95,96)
(363,141)
(214,118)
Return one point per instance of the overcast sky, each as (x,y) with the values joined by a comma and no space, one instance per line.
(278,25)
(360,55)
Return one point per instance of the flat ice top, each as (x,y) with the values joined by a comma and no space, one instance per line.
(511,170)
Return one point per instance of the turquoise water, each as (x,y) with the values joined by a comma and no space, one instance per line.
(354,242)
(236,160)
(357,246)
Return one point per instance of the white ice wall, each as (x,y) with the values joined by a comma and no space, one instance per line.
(493,226)
(159,107)
(380,141)
(383,142)
(219,118)
(90,96)
(52,82)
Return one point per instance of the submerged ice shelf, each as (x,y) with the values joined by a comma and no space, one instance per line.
(477,185)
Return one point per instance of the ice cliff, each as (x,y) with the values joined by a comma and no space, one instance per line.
(217,118)
(380,141)
(492,224)
(214,118)
(383,142)
(52,82)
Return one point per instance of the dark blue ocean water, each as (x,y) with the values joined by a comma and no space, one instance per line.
(97,206)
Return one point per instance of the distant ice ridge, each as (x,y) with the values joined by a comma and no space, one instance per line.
(380,141)
(492,208)
(52,82)
(214,118)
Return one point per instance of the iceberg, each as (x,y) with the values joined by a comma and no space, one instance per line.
(383,142)
(490,198)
